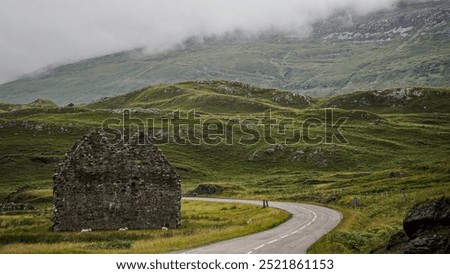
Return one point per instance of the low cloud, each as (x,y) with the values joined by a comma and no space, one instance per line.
(35,34)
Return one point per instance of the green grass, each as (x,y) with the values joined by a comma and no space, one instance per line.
(380,141)
(228,98)
(402,100)
(202,223)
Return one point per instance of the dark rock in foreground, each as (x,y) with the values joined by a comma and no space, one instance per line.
(101,185)
(422,218)
(426,230)
(15,207)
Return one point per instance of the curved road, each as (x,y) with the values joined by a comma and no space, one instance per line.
(307,225)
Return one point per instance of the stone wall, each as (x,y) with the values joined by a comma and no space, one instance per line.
(100,185)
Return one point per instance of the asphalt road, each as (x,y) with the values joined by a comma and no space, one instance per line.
(307,225)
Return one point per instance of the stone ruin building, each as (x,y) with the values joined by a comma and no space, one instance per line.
(105,186)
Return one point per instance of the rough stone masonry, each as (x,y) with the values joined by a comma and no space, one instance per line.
(100,185)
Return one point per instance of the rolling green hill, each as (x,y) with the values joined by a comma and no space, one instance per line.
(36,104)
(208,96)
(403,100)
(407,46)
(396,154)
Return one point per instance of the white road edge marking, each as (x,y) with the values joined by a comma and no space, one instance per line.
(282,237)
(292,233)
(312,221)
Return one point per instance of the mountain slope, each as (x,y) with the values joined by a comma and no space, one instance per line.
(408,46)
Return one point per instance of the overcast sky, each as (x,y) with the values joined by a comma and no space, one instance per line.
(38,33)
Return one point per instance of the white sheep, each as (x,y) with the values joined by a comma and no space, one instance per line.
(86,230)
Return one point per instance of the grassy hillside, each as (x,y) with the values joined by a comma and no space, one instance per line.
(396,152)
(401,100)
(210,97)
(38,104)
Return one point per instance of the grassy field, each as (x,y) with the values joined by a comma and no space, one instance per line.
(397,154)
(202,223)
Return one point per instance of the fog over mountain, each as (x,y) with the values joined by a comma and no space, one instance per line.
(36,34)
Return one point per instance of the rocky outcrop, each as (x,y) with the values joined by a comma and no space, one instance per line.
(206,189)
(15,207)
(43,159)
(396,174)
(101,185)
(318,157)
(402,22)
(212,189)
(428,216)
(426,229)
(134,110)
(407,100)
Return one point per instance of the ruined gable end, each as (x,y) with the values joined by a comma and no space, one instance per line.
(100,185)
